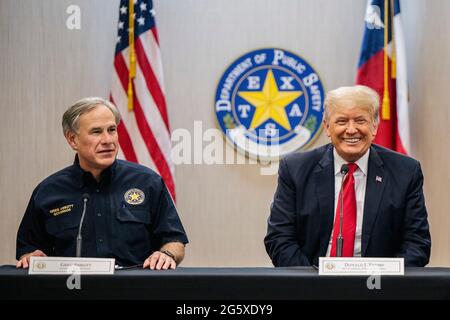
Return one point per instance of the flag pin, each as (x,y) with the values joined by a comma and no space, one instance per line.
(378,179)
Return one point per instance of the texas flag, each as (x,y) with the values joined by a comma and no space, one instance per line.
(382,66)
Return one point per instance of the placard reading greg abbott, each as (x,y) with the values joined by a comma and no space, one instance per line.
(269,103)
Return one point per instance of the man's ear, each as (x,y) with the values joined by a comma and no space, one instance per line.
(375,129)
(326,125)
(71,138)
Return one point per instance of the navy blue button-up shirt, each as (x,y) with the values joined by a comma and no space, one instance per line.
(129,214)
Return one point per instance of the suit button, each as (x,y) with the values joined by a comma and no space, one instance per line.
(100,240)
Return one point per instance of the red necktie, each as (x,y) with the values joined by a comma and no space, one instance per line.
(349,215)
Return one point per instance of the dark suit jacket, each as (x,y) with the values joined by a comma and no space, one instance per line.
(301,219)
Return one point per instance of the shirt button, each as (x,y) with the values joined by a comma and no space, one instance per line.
(99,214)
(98,190)
(100,240)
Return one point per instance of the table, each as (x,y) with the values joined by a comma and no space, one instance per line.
(294,283)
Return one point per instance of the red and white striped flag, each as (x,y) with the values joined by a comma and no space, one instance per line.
(382,66)
(138,91)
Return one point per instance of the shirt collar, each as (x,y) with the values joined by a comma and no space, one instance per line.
(362,162)
(84,178)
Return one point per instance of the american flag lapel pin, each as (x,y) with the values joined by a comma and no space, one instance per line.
(378,179)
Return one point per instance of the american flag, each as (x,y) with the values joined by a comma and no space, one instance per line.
(382,66)
(138,91)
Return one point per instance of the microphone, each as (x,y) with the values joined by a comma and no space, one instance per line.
(340,239)
(79,238)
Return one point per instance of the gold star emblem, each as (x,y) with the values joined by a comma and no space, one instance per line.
(134,196)
(270,103)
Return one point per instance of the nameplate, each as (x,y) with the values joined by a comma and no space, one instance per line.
(66,265)
(333,266)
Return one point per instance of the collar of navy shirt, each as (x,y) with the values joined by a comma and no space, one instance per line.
(85,178)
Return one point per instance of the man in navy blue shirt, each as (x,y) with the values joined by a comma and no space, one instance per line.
(130,215)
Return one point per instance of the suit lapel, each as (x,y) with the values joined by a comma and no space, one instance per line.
(324,181)
(376,180)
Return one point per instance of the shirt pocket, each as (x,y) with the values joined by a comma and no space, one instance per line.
(131,234)
(126,214)
(60,226)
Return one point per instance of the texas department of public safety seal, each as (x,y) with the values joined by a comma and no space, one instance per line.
(269,103)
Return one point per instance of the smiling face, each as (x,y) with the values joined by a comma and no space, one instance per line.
(96,140)
(351,129)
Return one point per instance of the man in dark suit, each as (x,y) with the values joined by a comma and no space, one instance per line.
(390,218)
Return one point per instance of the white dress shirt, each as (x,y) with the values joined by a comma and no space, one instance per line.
(360,176)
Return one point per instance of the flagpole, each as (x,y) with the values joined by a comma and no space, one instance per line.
(132,54)
(385,109)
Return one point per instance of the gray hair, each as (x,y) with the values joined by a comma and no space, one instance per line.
(360,96)
(71,118)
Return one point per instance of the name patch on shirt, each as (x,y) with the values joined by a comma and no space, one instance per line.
(64,209)
(134,196)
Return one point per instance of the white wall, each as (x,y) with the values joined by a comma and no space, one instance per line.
(44,67)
